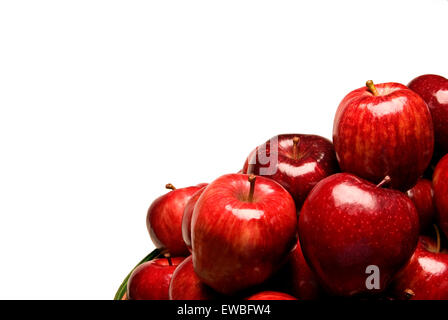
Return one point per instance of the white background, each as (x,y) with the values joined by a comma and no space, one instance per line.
(104,102)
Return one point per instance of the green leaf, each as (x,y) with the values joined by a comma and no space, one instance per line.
(123,287)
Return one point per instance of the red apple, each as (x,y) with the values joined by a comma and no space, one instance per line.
(242,231)
(298,277)
(383,131)
(434,90)
(425,276)
(185,284)
(347,225)
(271,295)
(186,219)
(440,183)
(422,195)
(164,219)
(151,280)
(296,161)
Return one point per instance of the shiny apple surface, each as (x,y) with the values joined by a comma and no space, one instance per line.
(425,277)
(239,242)
(151,280)
(389,134)
(440,183)
(296,161)
(348,224)
(434,90)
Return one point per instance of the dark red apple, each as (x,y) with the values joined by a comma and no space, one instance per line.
(425,276)
(164,219)
(440,183)
(383,131)
(271,295)
(186,219)
(296,161)
(348,225)
(243,229)
(434,90)
(298,277)
(185,284)
(151,280)
(422,194)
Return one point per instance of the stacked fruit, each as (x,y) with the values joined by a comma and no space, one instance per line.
(308,219)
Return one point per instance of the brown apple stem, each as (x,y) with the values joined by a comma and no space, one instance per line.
(168,257)
(170,186)
(384,182)
(371,86)
(438,238)
(295,149)
(251,179)
(408,293)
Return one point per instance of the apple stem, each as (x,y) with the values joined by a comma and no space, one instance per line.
(251,179)
(438,238)
(170,186)
(408,293)
(168,257)
(295,151)
(371,86)
(384,182)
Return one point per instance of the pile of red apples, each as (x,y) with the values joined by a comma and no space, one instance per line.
(364,216)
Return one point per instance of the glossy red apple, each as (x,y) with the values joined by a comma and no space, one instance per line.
(434,90)
(383,131)
(425,277)
(164,219)
(440,183)
(186,219)
(242,231)
(271,295)
(185,284)
(151,280)
(296,161)
(348,224)
(422,194)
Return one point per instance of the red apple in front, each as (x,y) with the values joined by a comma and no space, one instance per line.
(186,219)
(296,161)
(151,280)
(422,195)
(434,91)
(271,295)
(243,229)
(164,219)
(384,130)
(348,225)
(440,183)
(185,284)
(425,276)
